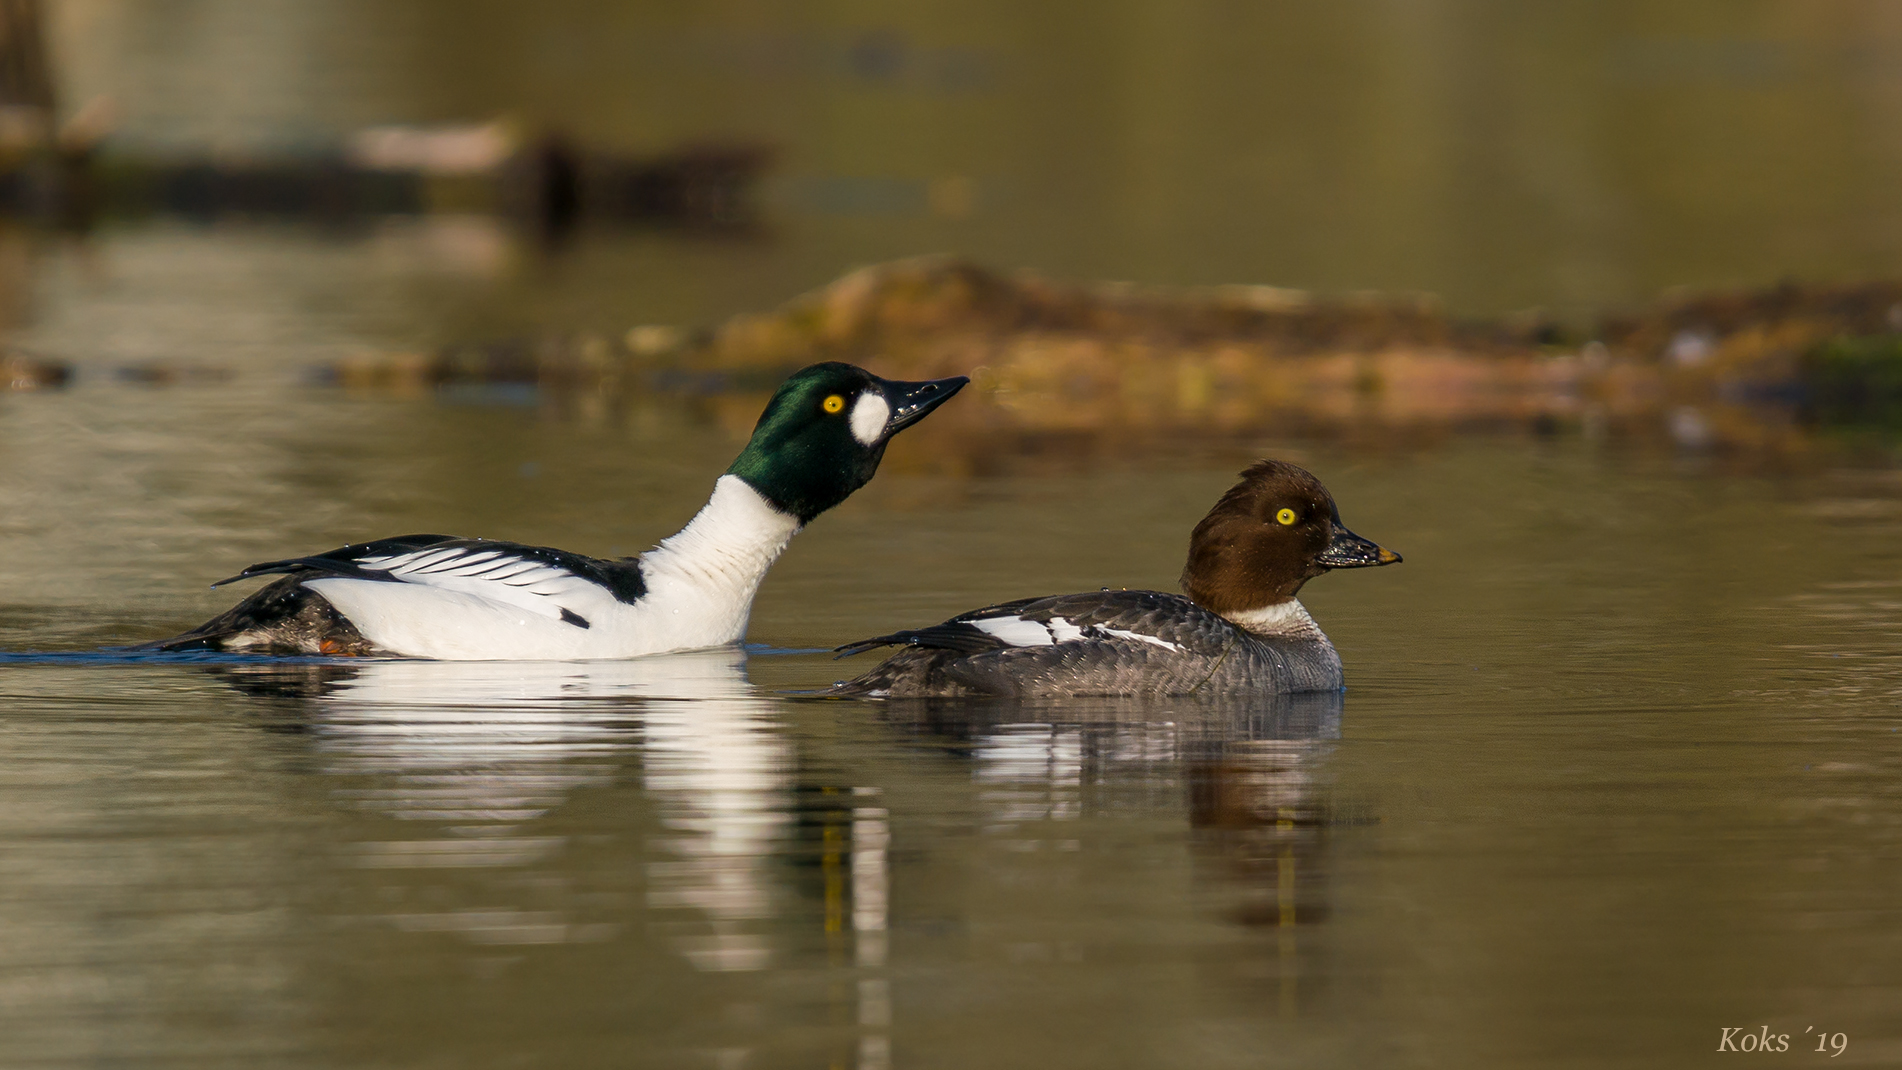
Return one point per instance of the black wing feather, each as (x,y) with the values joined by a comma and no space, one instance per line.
(956,635)
(343,560)
(621,577)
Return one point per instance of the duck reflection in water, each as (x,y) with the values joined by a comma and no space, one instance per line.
(474,757)
(471,776)
(1251,771)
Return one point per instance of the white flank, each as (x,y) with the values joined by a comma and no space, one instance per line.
(870,413)
(472,604)
(1139,637)
(1287,620)
(422,620)
(1015,630)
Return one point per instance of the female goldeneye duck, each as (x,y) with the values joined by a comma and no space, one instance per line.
(1240,630)
(437,596)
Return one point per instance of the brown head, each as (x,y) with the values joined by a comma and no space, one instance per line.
(1272,532)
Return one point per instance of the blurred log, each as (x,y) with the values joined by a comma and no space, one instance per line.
(549,185)
(21,371)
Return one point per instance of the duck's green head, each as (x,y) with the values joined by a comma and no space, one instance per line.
(824,432)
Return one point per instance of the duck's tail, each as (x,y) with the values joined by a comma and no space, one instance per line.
(283,618)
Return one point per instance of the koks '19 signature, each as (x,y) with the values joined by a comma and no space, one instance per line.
(1735,1039)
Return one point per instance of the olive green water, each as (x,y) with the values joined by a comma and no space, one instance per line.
(1618,768)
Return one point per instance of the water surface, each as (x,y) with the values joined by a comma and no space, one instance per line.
(1617,768)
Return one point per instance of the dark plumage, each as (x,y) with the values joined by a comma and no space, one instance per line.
(1242,556)
(1240,630)
(491,557)
(284,618)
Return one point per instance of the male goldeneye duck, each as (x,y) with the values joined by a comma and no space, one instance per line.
(1240,630)
(437,596)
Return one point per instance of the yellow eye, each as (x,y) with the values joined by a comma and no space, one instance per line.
(834,403)
(1286,516)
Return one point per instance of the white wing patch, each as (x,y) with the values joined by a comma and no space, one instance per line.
(496,575)
(1020,632)
(1015,630)
(1139,637)
(870,413)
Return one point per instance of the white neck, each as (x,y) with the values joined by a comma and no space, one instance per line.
(1282,620)
(704,577)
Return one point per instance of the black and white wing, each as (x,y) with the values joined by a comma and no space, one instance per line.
(552,583)
(1104,643)
(1150,618)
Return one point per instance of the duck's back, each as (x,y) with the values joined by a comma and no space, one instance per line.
(1100,643)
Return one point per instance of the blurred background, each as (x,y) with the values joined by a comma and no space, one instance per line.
(1579,157)
(571,199)
(1592,309)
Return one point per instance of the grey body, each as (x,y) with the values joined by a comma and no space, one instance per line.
(1167,645)
(1240,631)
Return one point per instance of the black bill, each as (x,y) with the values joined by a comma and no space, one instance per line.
(1348,550)
(911,402)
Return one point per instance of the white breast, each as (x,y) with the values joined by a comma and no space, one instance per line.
(1283,620)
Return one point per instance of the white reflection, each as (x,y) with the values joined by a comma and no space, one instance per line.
(1031,773)
(476,753)
(871,913)
(720,770)
(500,741)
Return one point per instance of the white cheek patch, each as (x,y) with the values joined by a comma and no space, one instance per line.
(870,413)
